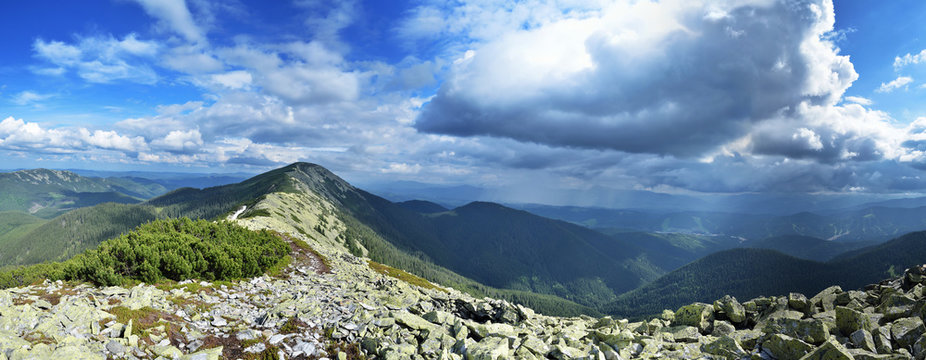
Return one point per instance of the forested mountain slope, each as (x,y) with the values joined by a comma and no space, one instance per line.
(48,193)
(746,273)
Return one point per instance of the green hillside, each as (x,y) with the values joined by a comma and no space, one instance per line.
(72,233)
(669,251)
(806,247)
(421,206)
(742,273)
(49,193)
(15,224)
(747,273)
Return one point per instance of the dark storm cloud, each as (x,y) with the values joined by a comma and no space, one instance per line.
(693,89)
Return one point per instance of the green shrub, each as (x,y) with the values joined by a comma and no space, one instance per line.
(175,249)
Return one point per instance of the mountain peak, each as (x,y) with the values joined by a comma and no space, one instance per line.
(45,175)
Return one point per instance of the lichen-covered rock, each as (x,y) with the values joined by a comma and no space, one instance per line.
(830,350)
(490,348)
(564,352)
(813,331)
(749,339)
(699,315)
(826,299)
(862,339)
(849,321)
(732,309)
(882,338)
(784,347)
(682,333)
(412,321)
(725,347)
(722,327)
(798,301)
(907,331)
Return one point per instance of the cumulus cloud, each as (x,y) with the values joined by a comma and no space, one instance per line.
(899,82)
(677,78)
(827,134)
(180,141)
(17,134)
(233,80)
(859,100)
(909,59)
(101,59)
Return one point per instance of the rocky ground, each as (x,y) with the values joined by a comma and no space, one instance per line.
(349,310)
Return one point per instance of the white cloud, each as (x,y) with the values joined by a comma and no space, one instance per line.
(174,15)
(237,80)
(401,168)
(180,141)
(316,80)
(29,97)
(17,134)
(191,60)
(859,100)
(895,84)
(100,59)
(111,140)
(909,59)
(675,78)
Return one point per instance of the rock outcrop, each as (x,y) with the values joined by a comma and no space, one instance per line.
(351,310)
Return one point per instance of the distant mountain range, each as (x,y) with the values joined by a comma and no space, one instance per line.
(48,193)
(871,224)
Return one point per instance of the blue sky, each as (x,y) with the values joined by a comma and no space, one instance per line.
(673,96)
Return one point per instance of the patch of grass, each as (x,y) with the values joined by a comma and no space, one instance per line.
(270,353)
(255,213)
(302,245)
(277,270)
(402,275)
(22,301)
(189,304)
(292,325)
(352,350)
(293,216)
(300,230)
(36,337)
(143,319)
(192,287)
(54,297)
